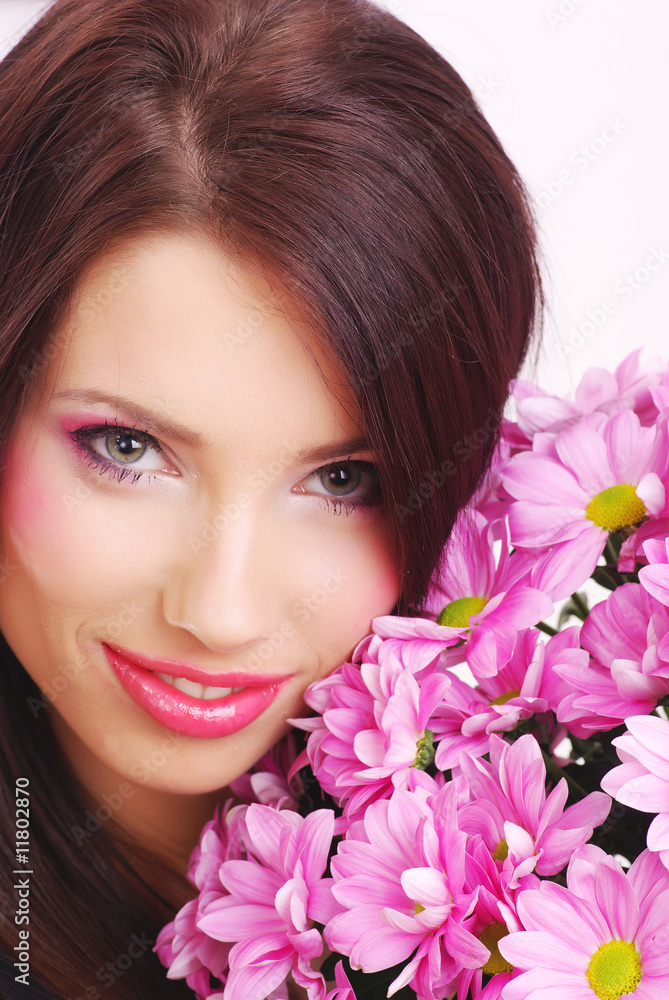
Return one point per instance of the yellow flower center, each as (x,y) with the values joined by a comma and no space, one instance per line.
(614,970)
(502,699)
(501,852)
(615,508)
(489,937)
(457,613)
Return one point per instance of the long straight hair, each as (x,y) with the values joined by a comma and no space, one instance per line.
(327,144)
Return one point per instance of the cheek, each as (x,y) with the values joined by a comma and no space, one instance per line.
(372,585)
(59,534)
(361,582)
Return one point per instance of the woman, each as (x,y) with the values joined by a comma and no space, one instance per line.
(263,262)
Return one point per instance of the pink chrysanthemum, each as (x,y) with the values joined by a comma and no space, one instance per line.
(399,877)
(477,598)
(603,937)
(655,576)
(376,722)
(600,476)
(527,686)
(652,533)
(181,946)
(630,387)
(417,655)
(627,636)
(522,828)
(494,917)
(343,989)
(189,954)
(267,781)
(659,393)
(274,898)
(642,780)
(490,499)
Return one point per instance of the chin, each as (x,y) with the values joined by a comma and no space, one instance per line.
(184,765)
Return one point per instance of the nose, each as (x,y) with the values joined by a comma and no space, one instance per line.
(219,587)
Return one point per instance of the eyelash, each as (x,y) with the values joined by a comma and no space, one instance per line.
(107,467)
(359,505)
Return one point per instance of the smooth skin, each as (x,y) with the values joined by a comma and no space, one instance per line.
(230,552)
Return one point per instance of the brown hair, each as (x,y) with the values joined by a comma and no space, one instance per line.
(328,144)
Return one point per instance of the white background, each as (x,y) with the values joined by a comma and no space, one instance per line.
(577,91)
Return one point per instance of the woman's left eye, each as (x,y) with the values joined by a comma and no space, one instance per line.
(353,484)
(116,451)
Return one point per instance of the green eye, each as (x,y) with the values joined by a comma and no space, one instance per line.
(125,447)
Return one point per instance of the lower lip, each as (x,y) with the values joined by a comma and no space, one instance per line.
(184,714)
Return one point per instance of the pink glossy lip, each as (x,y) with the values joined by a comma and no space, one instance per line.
(182,713)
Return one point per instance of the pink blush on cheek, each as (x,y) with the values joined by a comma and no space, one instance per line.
(37,522)
(372,593)
(24,498)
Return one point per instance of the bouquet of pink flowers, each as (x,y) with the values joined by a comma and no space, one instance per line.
(481,806)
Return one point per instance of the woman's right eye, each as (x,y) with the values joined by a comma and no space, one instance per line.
(115,450)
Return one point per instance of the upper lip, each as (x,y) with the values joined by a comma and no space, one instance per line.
(231,678)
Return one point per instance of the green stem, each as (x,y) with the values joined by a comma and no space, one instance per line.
(602,574)
(610,553)
(581,606)
(557,772)
(548,629)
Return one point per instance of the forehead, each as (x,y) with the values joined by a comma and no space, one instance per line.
(171,320)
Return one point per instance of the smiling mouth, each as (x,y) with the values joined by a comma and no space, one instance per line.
(205,692)
(188,706)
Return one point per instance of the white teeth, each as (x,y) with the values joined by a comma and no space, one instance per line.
(213,692)
(188,687)
(196,690)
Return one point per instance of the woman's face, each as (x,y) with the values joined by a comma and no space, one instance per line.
(167,497)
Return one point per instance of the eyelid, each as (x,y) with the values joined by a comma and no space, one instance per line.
(106,464)
(112,469)
(358,500)
(105,427)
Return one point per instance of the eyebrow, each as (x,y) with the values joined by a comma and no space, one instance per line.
(333,450)
(138,413)
(178,432)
